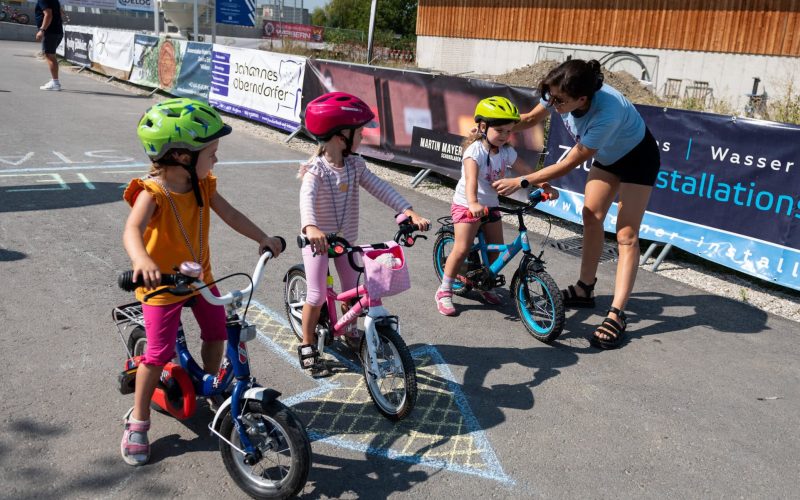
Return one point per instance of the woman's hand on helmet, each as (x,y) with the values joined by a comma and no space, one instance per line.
(272,244)
(319,243)
(145,272)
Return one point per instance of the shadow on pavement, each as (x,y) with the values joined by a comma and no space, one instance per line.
(111,94)
(34,197)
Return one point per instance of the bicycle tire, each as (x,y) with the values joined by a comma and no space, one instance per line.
(283,439)
(137,341)
(542,310)
(294,297)
(3,16)
(441,251)
(23,19)
(391,343)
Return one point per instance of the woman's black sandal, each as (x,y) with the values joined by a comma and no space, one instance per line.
(310,360)
(613,330)
(572,299)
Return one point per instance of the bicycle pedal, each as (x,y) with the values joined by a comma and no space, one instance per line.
(500,280)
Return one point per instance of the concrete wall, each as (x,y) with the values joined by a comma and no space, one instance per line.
(729,75)
(18,32)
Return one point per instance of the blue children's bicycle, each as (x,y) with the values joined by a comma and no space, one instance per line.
(536,295)
(264,446)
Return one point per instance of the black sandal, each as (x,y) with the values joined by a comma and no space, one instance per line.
(572,299)
(614,331)
(310,360)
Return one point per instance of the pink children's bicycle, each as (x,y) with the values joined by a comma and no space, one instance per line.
(387,364)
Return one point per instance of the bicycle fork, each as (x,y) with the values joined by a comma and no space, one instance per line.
(376,314)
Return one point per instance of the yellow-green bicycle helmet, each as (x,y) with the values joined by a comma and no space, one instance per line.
(179,124)
(496,109)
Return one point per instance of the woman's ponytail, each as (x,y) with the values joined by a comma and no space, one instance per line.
(597,70)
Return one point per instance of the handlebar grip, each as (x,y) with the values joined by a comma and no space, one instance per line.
(125,281)
(283,243)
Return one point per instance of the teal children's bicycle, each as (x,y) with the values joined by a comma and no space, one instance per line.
(535,293)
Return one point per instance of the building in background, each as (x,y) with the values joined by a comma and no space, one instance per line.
(684,48)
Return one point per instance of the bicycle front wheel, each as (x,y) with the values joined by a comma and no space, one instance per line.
(295,298)
(539,304)
(3,15)
(286,451)
(394,388)
(23,19)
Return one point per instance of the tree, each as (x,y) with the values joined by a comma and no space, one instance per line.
(393,16)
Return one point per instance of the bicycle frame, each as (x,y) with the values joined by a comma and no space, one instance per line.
(206,384)
(506,252)
(375,310)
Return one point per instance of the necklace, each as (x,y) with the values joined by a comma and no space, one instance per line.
(180,223)
(344,187)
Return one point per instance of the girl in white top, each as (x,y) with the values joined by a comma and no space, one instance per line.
(487,156)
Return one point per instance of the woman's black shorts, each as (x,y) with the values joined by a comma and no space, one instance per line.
(640,165)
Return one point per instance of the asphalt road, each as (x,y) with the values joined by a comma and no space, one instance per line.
(703,401)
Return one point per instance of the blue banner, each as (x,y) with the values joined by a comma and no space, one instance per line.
(194,79)
(238,12)
(728,190)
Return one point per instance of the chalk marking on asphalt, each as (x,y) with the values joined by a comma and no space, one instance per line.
(472,437)
(143,165)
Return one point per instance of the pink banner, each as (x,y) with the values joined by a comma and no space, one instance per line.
(277,29)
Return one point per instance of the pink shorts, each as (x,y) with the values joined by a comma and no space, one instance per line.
(161,327)
(460,215)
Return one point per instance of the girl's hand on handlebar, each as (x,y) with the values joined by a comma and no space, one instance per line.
(272,244)
(506,187)
(319,243)
(145,268)
(550,190)
(478,210)
(421,222)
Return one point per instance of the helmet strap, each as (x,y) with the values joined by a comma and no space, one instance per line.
(348,142)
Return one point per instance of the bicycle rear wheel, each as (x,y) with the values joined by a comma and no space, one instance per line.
(441,250)
(539,304)
(394,388)
(23,19)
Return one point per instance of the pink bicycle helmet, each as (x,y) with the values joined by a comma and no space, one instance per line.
(329,114)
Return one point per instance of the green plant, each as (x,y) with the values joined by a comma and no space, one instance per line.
(786,107)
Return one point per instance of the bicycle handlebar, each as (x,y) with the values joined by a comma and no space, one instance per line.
(180,283)
(534,198)
(339,246)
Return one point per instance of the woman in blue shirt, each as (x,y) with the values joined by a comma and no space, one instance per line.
(606,127)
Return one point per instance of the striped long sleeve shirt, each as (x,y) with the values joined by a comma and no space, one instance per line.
(329,195)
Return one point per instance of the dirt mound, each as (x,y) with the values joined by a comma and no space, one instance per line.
(531,75)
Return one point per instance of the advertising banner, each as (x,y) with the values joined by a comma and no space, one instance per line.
(76,47)
(259,85)
(194,78)
(141,5)
(304,32)
(423,118)
(111,52)
(238,12)
(728,190)
(100,4)
(173,65)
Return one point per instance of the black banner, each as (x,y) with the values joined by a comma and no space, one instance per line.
(76,47)
(411,106)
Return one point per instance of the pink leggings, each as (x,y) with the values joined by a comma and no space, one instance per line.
(317,273)
(161,327)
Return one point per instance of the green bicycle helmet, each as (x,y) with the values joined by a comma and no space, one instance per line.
(179,124)
(496,109)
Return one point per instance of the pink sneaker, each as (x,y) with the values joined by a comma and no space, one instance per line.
(444,302)
(491,297)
